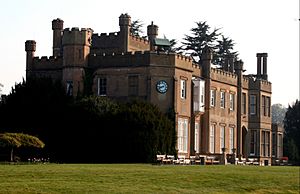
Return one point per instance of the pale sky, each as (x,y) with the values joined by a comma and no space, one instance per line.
(256,26)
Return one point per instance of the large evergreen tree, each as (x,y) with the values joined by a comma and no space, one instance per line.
(136,28)
(200,37)
(223,50)
(292,132)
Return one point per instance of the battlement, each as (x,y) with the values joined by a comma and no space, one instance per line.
(106,35)
(46,58)
(45,62)
(76,36)
(258,83)
(224,73)
(139,39)
(183,57)
(219,75)
(140,58)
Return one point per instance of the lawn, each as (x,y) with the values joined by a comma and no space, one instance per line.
(146,178)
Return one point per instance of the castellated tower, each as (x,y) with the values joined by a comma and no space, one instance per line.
(125,23)
(30,48)
(57,27)
(76,48)
(152,32)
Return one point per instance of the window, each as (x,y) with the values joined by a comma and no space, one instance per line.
(265,143)
(274,146)
(267,104)
(212,139)
(133,85)
(279,146)
(198,95)
(183,89)
(202,93)
(222,99)
(197,133)
(252,104)
(70,88)
(253,141)
(212,97)
(244,108)
(231,136)
(222,138)
(102,84)
(263,105)
(231,99)
(182,135)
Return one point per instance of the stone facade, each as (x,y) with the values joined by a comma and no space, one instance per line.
(215,108)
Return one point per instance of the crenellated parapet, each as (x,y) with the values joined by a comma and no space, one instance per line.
(45,62)
(75,36)
(138,43)
(140,58)
(259,84)
(223,76)
(139,39)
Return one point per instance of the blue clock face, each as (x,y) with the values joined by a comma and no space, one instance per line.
(162,86)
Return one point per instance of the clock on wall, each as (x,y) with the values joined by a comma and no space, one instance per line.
(162,86)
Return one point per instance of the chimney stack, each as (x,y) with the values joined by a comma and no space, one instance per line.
(262,65)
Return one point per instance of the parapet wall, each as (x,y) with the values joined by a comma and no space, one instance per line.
(184,62)
(136,43)
(139,58)
(259,84)
(106,43)
(77,37)
(47,63)
(222,76)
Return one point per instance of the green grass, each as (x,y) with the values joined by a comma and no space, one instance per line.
(146,178)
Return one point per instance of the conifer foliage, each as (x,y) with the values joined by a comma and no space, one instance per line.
(292,133)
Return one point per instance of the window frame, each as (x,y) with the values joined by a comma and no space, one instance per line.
(222,99)
(102,86)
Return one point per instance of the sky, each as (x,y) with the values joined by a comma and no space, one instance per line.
(256,26)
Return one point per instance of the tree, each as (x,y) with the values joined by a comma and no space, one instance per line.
(173,47)
(292,132)
(16,140)
(223,50)
(200,38)
(135,28)
(278,113)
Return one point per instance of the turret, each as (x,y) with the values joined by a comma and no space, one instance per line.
(57,27)
(30,48)
(125,23)
(152,32)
